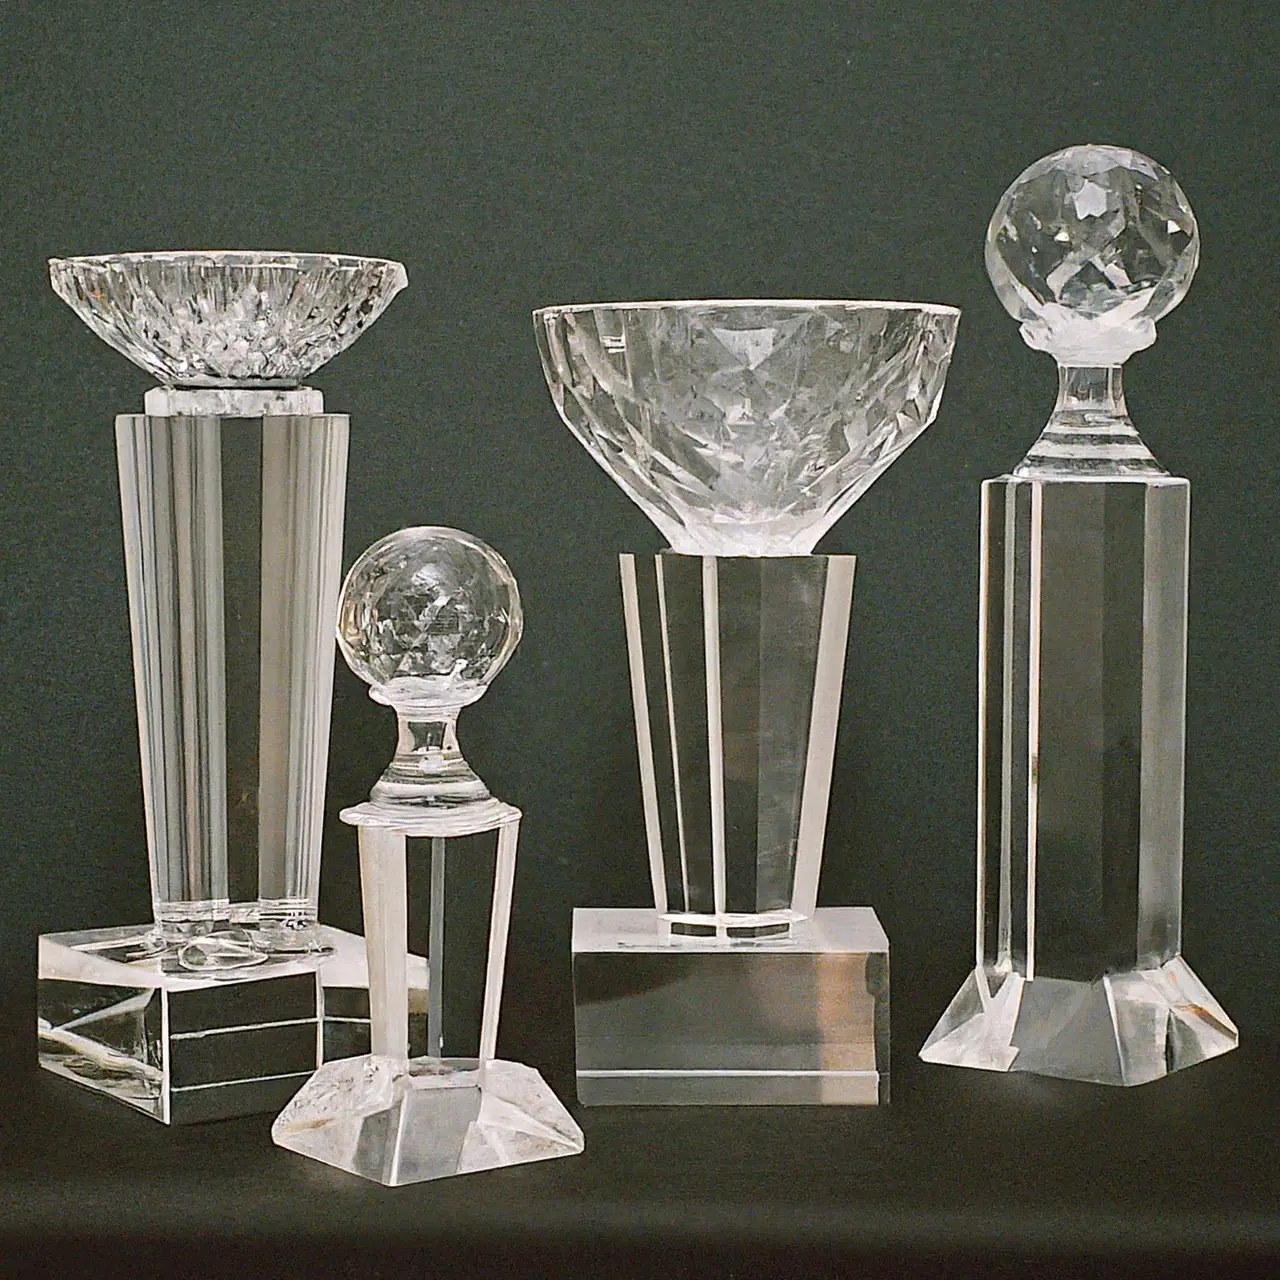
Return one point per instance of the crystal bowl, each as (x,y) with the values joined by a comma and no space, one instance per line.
(746,427)
(227,319)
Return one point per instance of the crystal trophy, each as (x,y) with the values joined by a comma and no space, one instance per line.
(744,430)
(1082,659)
(232,486)
(428,618)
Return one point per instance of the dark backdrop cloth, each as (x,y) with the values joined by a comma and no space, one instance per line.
(518,155)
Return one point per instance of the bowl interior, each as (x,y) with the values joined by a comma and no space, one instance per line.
(746,427)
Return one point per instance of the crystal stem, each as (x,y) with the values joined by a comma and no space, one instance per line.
(1098,389)
(429,766)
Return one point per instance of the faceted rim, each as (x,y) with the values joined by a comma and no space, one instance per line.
(233,259)
(781,304)
(81,281)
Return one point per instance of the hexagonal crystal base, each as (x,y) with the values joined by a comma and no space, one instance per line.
(435,1118)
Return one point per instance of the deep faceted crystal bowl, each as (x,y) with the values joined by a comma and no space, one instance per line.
(227,318)
(746,427)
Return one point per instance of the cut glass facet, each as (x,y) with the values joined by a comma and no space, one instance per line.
(746,428)
(1088,249)
(1082,657)
(227,318)
(428,617)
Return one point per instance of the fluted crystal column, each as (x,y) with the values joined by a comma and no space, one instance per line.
(171,499)
(171,469)
(304,469)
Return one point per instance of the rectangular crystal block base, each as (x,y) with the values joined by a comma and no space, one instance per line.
(800,1019)
(184,1047)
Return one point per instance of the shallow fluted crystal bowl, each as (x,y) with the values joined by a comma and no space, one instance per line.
(228,318)
(746,427)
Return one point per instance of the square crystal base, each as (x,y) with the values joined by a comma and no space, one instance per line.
(1124,1028)
(397,1123)
(183,1046)
(799,1019)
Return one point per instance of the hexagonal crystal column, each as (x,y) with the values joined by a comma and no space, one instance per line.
(736,670)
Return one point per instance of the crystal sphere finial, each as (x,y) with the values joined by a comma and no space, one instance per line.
(428,616)
(1088,248)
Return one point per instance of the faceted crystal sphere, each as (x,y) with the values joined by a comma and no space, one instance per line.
(1088,249)
(227,319)
(429,616)
(746,428)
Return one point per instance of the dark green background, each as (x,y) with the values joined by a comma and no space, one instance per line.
(518,155)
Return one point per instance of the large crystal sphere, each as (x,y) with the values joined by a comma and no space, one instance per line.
(429,616)
(746,428)
(1088,249)
(227,319)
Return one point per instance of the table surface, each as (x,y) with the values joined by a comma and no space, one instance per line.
(966,1173)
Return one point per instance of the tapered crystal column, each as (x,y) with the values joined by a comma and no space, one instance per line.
(1082,660)
(744,430)
(737,664)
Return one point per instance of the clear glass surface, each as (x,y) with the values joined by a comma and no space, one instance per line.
(1088,248)
(745,427)
(1082,660)
(428,617)
(231,593)
(227,318)
(186,1045)
(666,1021)
(737,666)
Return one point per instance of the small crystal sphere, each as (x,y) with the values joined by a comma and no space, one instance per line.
(428,616)
(1088,249)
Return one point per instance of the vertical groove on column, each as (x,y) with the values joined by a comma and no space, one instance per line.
(1033,717)
(504,874)
(644,740)
(304,468)
(171,507)
(686,905)
(824,721)
(435,952)
(1004,957)
(1163,741)
(984,587)
(715,728)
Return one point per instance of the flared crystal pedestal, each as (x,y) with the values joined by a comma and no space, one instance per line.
(232,486)
(1082,660)
(429,616)
(184,1040)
